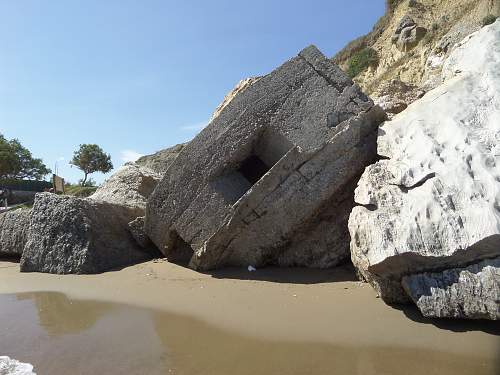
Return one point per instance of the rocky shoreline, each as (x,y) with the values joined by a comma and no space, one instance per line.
(272,181)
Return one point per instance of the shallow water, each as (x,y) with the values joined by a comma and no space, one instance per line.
(59,335)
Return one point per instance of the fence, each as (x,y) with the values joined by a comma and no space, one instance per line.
(25,185)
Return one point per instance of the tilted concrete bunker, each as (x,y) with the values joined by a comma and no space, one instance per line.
(271,179)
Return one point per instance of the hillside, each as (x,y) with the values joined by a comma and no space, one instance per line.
(408,45)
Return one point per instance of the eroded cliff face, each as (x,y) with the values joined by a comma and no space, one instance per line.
(412,41)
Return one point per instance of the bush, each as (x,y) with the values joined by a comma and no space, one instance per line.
(80,191)
(364,41)
(489,19)
(89,183)
(362,60)
(392,4)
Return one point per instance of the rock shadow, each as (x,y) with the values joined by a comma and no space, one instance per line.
(10,258)
(450,324)
(291,275)
(119,268)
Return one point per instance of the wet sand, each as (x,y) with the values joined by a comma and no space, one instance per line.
(160,317)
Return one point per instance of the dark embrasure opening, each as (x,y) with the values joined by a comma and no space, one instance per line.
(255,162)
(253,168)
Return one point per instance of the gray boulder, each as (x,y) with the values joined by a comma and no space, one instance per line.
(13,232)
(395,96)
(472,292)
(404,23)
(407,34)
(75,235)
(269,180)
(161,160)
(129,187)
(92,235)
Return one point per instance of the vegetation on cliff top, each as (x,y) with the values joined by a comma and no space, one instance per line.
(361,60)
(369,39)
(80,191)
(489,19)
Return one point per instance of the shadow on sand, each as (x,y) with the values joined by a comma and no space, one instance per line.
(10,260)
(454,325)
(345,272)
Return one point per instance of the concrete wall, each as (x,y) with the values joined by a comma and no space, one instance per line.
(18,196)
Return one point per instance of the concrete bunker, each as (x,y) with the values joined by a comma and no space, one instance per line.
(265,168)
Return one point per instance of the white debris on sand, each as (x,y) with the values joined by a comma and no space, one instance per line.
(9,366)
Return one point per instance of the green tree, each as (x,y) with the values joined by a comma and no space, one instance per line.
(17,162)
(9,162)
(30,168)
(90,159)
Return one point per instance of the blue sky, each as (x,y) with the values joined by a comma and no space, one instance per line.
(137,76)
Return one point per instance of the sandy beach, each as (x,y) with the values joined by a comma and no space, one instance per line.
(292,308)
(165,165)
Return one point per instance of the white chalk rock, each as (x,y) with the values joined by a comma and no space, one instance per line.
(433,203)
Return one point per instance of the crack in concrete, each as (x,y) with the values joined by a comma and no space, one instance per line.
(332,83)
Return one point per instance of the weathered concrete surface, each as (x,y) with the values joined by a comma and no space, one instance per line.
(92,235)
(434,202)
(74,235)
(13,231)
(472,292)
(136,228)
(257,181)
(321,242)
(161,160)
(238,89)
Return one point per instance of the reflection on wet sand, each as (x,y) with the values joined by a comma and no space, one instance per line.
(197,348)
(62,336)
(59,315)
